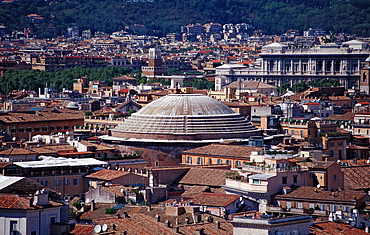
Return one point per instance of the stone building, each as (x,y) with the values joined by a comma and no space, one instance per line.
(155,64)
(280,63)
(181,119)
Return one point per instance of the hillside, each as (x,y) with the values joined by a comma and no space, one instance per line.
(164,16)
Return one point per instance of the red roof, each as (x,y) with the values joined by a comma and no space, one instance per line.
(124,91)
(213,199)
(312,103)
(13,201)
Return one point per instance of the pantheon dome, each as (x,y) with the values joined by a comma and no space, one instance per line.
(184,118)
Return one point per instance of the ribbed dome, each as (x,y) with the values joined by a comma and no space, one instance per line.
(185,104)
(185,117)
(72,105)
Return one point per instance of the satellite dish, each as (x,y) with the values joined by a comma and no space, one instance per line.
(97,228)
(104,227)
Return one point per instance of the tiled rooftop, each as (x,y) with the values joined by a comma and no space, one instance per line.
(55,115)
(330,228)
(313,193)
(106,174)
(357,177)
(204,176)
(220,150)
(212,199)
(16,151)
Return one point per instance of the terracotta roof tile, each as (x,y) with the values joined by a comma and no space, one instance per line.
(219,150)
(213,199)
(329,228)
(54,115)
(83,229)
(106,174)
(204,176)
(226,228)
(357,177)
(136,224)
(313,193)
(13,201)
(16,151)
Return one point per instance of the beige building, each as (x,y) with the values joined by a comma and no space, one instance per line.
(63,175)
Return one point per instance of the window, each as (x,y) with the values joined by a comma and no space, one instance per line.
(209,161)
(256,181)
(340,143)
(13,130)
(57,182)
(292,132)
(37,128)
(44,128)
(331,144)
(66,182)
(21,129)
(188,160)
(59,127)
(13,227)
(219,161)
(331,153)
(300,205)
(199,161)
(301,132)
(228,162)
(66,127)
(44,183)
(311,206)
(346,208)
(323,207)
(237,163)
(53,219)
(334,208)
(295,179)
(334,177)
(52,128)
(288,205)
(29,129)
(75,181)
(284,180)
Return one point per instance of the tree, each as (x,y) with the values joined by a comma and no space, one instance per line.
(131,111)
(88,113)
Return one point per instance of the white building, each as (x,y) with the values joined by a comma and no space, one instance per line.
(29,215)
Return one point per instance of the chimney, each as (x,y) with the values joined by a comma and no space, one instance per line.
(167,223)
(30,201)
(149,208)
(218,225)
(187,220)
(92,205)
(41,198)
(158,218)
(200,231)
(199,218)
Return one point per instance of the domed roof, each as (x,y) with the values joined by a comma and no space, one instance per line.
(185,104)
(72,105)
(185,117)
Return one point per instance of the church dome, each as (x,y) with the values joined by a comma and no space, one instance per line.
(72,105)
(185,117)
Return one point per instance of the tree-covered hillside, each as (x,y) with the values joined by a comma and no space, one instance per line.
(164,16)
